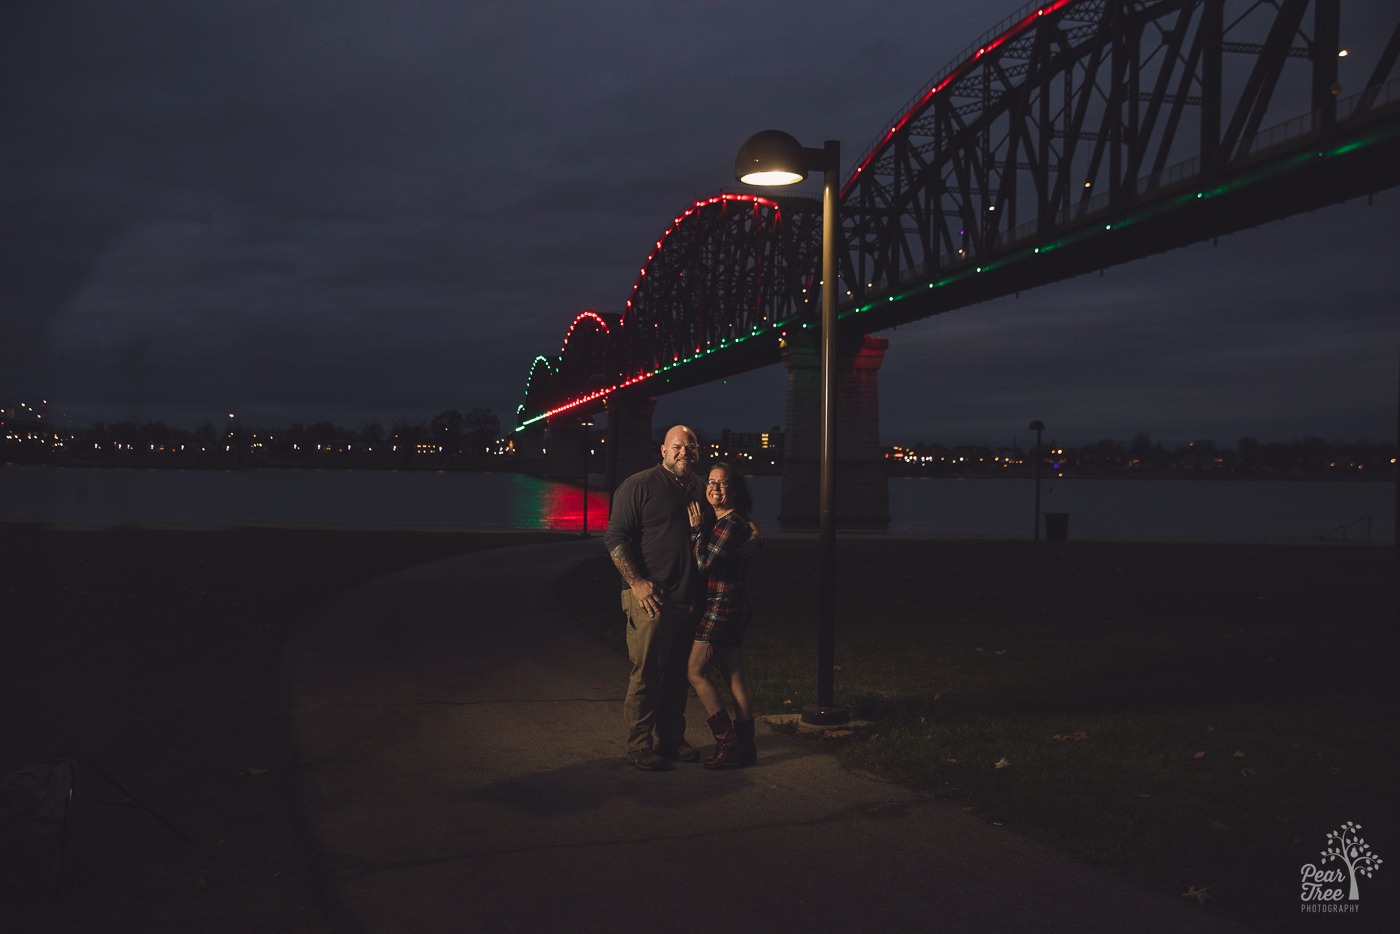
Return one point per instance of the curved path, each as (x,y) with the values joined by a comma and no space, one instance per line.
(461,769)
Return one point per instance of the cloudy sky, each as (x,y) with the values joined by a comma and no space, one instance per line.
(360,210)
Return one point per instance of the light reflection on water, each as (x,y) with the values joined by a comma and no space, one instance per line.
(545,504)
(360,498)
(1198,510)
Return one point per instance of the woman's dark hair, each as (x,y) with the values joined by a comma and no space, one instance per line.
(739,493)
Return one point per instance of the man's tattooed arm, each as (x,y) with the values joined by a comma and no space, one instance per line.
(622,559)
(643,590)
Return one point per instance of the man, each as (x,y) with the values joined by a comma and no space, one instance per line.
(648,539)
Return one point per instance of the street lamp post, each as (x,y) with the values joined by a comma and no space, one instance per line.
(773,157)
(1037,426)
(587,423)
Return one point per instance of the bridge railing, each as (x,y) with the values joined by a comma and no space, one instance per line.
(1371,99)
(1347,109)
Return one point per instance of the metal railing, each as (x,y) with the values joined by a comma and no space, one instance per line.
(1342,532)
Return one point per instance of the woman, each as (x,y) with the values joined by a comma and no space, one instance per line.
(721,628)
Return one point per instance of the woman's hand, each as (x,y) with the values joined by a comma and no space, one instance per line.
(751,544)
(697,515)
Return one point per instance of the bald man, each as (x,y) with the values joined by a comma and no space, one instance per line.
(648,539)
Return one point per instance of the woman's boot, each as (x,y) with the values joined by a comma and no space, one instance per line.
(726,742)
(748,752)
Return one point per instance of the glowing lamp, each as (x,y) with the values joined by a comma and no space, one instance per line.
(771,157)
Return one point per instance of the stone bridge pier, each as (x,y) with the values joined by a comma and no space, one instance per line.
(862,499)
(631,445)
(531,450)
(555,450)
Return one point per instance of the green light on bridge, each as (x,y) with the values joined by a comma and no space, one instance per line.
(1352,146)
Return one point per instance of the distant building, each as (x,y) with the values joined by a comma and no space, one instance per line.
(25,437)
(759,449)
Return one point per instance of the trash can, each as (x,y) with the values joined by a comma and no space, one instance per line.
(1056,526)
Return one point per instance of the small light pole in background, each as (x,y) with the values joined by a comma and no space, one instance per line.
(1037,426)
(773,157)
(587,424)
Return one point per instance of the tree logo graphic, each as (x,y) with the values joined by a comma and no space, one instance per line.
(1344,846)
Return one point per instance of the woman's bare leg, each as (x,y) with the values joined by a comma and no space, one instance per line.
(702,654)
(734,668)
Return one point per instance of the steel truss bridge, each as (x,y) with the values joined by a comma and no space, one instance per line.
(1076,135)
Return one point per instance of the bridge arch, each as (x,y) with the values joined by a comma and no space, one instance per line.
(582,371)
(728,268)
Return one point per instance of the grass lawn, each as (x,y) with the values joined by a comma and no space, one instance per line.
(1195,717)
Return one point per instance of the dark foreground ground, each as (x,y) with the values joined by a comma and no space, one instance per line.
(155,656)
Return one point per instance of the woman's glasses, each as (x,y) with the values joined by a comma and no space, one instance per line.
(721,484)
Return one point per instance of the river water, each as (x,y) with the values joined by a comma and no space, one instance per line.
(1162,510)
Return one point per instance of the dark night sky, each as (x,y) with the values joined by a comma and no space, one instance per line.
(299,210)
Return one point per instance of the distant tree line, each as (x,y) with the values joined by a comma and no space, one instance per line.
(1310,457)
(448,437)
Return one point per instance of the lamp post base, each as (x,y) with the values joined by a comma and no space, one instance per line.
(819,715)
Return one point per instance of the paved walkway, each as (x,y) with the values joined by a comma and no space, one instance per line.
(461,769)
